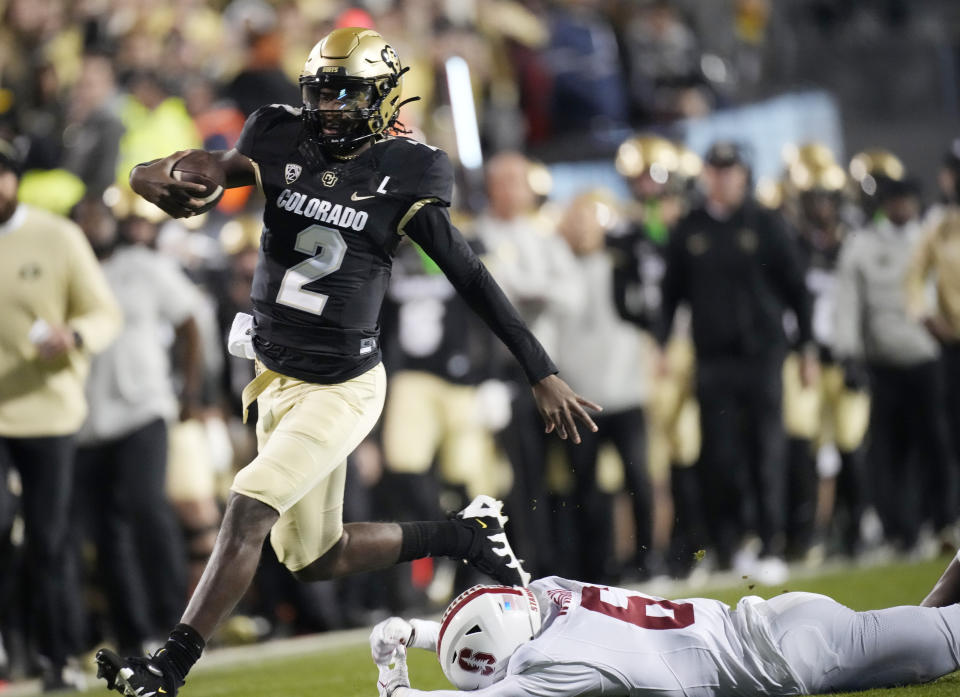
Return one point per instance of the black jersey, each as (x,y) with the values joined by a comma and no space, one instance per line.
(428,326)
(331,228)
(738,274)
(638,268)
(820,252)
(330,231)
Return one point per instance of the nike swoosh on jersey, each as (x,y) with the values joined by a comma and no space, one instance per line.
(354,197)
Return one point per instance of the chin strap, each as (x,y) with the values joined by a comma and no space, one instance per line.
(397,127)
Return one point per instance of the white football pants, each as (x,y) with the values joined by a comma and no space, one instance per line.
(832,648)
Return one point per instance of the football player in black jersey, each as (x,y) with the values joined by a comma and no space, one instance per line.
(341,194)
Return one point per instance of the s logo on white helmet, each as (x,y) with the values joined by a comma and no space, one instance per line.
(478,662)
(481,629)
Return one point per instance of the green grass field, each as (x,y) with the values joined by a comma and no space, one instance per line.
(347,671)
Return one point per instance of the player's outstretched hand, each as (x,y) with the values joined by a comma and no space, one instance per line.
(155,182)
(393,675)
(561,408)
(387,637)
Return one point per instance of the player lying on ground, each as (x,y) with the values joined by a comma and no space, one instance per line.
(561,638)
(341,193)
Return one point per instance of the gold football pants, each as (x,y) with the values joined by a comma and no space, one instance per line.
(427,417)
(825,412)
(673,418)
(304,434)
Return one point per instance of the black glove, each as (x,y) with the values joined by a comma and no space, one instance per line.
(855,374)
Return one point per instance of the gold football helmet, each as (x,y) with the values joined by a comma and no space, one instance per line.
(351,85)
(812,167)
(812,154)
(876,162)
(870,168)
(827,177)
(644,153)
(689,163)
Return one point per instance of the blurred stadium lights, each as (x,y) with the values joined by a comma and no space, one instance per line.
(464,113)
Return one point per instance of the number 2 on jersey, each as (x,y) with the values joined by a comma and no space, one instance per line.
(638,610)
(332,250)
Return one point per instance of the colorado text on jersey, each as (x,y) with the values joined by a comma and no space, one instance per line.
(324,211)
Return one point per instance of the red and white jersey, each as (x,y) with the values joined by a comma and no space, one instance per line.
(651,645)
(604,640)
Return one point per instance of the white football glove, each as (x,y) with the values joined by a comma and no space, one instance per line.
(393,675)
(387,637)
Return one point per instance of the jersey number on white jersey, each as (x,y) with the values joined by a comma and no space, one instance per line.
(638,610)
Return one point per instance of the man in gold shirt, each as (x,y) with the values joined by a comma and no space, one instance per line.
(937,258)
(57,309)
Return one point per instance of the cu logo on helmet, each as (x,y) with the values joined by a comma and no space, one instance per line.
(478,662)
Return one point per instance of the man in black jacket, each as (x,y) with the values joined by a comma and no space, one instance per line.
(736,266)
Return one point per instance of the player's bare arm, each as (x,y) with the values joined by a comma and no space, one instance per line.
(947,589)
(155,182)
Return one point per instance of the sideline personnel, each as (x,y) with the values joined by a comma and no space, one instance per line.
(57,310)
(737,268)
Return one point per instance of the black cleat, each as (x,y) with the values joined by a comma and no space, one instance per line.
(137,676)
(491,552)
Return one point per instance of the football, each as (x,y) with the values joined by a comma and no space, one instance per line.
(200,167)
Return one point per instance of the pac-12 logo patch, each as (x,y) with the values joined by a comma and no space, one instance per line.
(328,178)
(292,172)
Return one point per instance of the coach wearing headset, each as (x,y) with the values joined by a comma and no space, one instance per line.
(735,265)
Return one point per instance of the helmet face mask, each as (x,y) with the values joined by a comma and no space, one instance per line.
(350,86)
(337,109)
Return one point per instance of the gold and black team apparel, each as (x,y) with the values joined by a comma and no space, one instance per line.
(428,327)
(48,272)
(937,257)
(340,195)
(438,354)
(826,420)
(738,274)
(331,229)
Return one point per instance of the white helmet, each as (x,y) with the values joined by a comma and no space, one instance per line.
(481,629)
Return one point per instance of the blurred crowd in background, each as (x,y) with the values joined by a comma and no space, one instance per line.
(766,302)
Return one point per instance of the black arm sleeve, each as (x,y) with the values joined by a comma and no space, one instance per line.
(432,230)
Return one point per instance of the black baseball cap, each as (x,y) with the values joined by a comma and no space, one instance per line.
(889,188)
(10,157)
(725,153)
